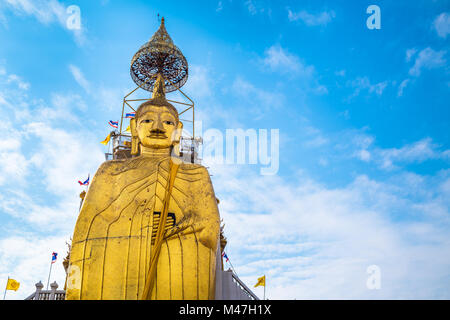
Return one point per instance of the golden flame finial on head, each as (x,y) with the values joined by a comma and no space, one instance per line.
(158,98)
(159,89)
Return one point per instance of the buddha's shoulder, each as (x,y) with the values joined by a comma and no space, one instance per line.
(193,170)
(119,166)
(112,166)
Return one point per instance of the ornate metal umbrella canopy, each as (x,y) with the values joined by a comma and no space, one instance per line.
(159,55)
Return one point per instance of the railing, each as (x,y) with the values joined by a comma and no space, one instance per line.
(52,294)
(230,287)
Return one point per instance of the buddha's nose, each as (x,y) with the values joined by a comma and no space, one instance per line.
(158,127)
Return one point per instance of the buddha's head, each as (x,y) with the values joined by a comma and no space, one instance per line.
(156,125)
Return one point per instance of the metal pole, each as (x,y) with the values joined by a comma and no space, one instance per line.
(48,281)
(264,289)
(4,296)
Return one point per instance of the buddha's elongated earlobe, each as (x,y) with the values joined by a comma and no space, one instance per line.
(176,136)
(177,133)
(134,137)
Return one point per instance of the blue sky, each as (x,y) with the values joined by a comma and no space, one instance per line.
(363,117)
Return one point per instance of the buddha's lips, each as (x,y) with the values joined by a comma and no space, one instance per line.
(157,136)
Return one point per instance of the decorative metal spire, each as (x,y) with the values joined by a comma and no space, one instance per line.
(159,92)
(159,55)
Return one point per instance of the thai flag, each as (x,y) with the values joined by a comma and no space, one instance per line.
(224,255)
(114,124)
(130,115)
(85,183)
(54,255)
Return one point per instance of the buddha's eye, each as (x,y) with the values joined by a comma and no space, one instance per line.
(168,122)
(146,121)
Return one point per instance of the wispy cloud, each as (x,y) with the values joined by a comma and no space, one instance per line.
(219,6)
(105,97)
(279,59)
(410,53)
(13,79)
(310,19)
(261,98)
(363,83)
(402,87)
(79,78)
(395,158)
(419,151)
(427,59)
(442,24)
(46,12)
(40,159)
(323,239)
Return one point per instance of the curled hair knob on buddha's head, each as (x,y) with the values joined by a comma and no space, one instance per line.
(158,98)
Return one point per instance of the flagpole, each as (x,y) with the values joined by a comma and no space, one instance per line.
(51,264)
(4,296)
(264,287)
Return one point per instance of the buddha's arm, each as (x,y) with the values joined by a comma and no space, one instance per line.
(203,217)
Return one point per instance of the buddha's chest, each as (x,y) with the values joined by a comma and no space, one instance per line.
(148,197)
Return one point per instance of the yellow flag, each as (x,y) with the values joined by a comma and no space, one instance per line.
(12,285)
(261,282)
(128,129)
(105,142)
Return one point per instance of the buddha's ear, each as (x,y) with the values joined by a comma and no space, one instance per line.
(177,133)
(133,126)
(176,136)
(134,137)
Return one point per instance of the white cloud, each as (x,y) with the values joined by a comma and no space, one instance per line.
(200,83)
(26,258)
(410,53)
(262,98)
(107,98)
(394,158)
(314,137)
(318,19)
(46,12)
(278,59)
(340,73)
(418,151)
(315,242)
(41,158)
(427,59)
(402,87)
(16,79)
(364,155)
(363,83)
(251,7)
(67,154)
(219,6)
(79,78)
(442,25)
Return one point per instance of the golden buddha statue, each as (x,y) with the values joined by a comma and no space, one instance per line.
(149,226)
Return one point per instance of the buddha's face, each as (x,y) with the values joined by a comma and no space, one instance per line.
(156,128)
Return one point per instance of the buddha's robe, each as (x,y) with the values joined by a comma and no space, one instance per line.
(112,242)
